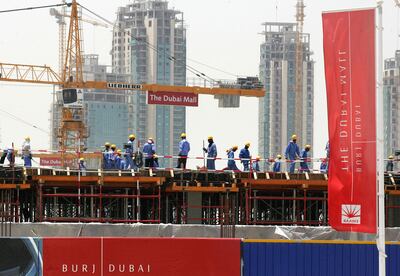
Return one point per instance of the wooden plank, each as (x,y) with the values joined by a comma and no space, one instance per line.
(14,186)
(202,189)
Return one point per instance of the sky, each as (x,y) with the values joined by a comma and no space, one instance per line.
(220,33)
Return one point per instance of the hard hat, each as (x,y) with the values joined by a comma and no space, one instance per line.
(247,144)
(294,137)
(210,138)
(391,157)
(183,135)
(151,139)
(28,138)
(235,147)
(132,136)
(113,146)
(81,159)
(119,151)
(258,157)
(308,146)
(155,156)
(107,144)
(279,156)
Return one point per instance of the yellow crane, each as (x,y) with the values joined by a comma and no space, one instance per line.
(72,127)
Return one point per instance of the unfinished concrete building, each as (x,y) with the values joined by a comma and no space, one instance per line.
(149,44)
(278,74)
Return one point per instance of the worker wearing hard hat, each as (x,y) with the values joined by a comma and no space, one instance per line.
(304,159)
(277,163)
(149,149)
(292,153)
(129,149)
(106,156)
(245,156)
(231,159)
(119,163)
(390,164)
(82,166)
(184,148)
(256,164)
(211,151)
(26,152)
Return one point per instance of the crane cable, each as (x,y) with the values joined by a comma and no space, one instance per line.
(23,121)
(36,7)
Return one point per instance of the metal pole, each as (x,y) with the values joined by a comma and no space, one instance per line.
(379,137)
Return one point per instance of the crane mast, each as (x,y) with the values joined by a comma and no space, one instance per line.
(299,69)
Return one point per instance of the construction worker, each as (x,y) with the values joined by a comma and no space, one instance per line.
(82,166)
(119,163)
(113,153)
(323,168)
(292,153)
(11,156)
(231,159)
(106,156)
(328,151)
(26,152)
(129,164)
(148,150)
(304,159)
(277,163)
(184,148)
(390,164)
(245,154)
(211,151)
(256,164)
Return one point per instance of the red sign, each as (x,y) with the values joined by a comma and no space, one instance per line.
(173,98)
(56,162)
(147,256)
(349,50)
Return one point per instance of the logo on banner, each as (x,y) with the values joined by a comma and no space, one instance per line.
(351,214)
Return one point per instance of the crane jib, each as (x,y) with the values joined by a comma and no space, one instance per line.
(116,85)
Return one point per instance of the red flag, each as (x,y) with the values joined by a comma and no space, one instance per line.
(349,51)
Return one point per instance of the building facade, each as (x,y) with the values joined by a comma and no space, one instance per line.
(278,74)
(149,44)
(391,90)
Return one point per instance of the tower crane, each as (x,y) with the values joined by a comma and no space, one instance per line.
(72,131)
(299,68)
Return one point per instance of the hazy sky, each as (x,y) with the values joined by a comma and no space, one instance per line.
(221,33)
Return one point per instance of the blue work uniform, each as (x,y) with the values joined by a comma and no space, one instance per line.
(324,166)
(107,159)
(26,154)
(292,151)
(245,154)
(10,156)
(277,166)
(231,162)
(328,152)
(211,155)
(184,148)
(118,163)
(256,166)
(149,149)
(129,164)
(303,163)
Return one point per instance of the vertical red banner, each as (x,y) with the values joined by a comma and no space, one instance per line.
(349,52)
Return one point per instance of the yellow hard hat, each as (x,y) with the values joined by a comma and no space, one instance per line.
(81,159)
(294,137)
(183,135)
(113,146)
(308,146)
(155,156)
(235,147)
(132,136)
(391,157)
(28,138)
(151,138)
(210,138)
(279,156)
(119,151)
(258,157)
(107,144)
(247,144)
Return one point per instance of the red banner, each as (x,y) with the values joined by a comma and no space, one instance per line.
(147,256)
(349,51)
(171,98)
